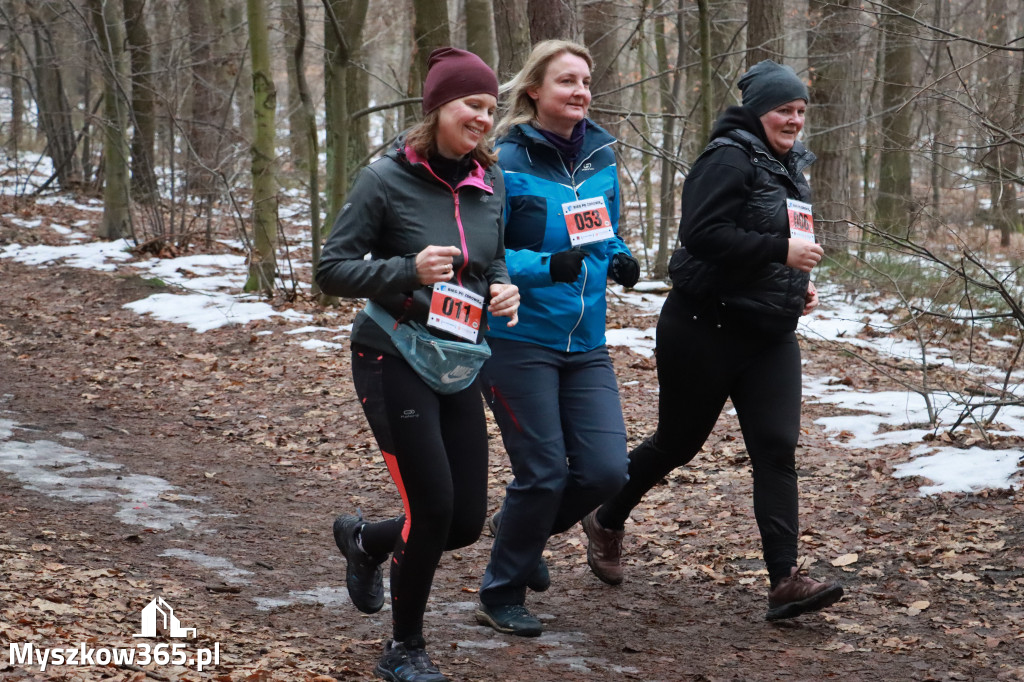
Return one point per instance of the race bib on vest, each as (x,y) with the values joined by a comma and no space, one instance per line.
(801,221)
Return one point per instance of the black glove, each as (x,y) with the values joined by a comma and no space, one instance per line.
(566,266)
(625,269)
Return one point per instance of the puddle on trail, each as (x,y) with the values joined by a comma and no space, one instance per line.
(326,596)
(67,473)
(227,571)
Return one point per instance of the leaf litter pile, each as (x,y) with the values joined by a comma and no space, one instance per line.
(251,444)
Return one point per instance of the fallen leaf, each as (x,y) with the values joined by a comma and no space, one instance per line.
(845,560)
(54,607)
(959,576)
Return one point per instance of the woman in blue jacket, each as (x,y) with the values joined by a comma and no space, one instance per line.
(550,381)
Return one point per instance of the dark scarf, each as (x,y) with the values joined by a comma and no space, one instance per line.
(568,148)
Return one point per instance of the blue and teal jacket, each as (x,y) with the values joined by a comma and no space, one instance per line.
(566,317)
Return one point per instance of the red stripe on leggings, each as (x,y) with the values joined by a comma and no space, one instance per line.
(396,476)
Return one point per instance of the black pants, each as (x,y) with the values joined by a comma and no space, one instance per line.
(435,447)
(702,361)
(561,422)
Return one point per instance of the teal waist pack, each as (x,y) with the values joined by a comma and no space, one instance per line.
(445,366)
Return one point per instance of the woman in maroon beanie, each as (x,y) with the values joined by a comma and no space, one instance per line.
(428,212)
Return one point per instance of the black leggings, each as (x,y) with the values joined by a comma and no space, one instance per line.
(435,447)
(700,365)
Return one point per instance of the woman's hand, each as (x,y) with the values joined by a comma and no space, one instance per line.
(435,264)
(810,299)
(505,302)
(803,255)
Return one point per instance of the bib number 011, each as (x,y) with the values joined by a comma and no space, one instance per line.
(456,310)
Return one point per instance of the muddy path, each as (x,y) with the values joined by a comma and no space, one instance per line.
(140,459)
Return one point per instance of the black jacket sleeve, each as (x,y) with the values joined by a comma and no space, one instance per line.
(344,269)
(713,207)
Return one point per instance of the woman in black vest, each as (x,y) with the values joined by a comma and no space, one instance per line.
(741,280)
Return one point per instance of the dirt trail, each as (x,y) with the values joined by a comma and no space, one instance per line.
(250,444)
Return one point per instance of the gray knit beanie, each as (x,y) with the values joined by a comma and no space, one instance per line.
(768,85)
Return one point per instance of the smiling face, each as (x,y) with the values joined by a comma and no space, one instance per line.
(782,125)
(563,98)
(463,122)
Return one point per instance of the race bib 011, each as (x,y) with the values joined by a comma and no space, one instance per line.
(456,310)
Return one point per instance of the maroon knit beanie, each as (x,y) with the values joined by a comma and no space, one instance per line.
(453,73)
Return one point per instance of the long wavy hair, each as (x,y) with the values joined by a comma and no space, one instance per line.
(520,107)
(423,138)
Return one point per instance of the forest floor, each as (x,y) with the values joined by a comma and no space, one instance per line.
(248,446)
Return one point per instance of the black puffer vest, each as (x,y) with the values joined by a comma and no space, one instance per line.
(773,289)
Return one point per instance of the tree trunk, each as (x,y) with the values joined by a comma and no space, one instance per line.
(51,97)
(725,32)
(307,112)
(1000,107)
(235,71)
(344,26)
(205,123)
(707,88)
(938,174)
(480,36)
(142,109)
(554,19)
(116,199)
(298,135)
(646,178)
(512,27)
(831,44)
(894,204)
(262,260)
(17,132)
(600,35)
(430,31)
(358,97)
(766,37)
(671,86)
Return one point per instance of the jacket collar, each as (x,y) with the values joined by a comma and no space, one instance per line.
(405,155)
(799,157)
(524,134)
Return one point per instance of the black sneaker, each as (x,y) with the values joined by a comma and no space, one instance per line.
(540,579)
(364,576)
(512,619)
(407,662)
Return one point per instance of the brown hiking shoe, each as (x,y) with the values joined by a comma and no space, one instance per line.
(604,549)
(799,594)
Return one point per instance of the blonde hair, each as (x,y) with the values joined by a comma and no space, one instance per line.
(520,107)
(423,138)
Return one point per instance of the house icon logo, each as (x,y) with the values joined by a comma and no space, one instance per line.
(158,613)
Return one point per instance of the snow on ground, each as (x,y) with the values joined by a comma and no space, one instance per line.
(210,297)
